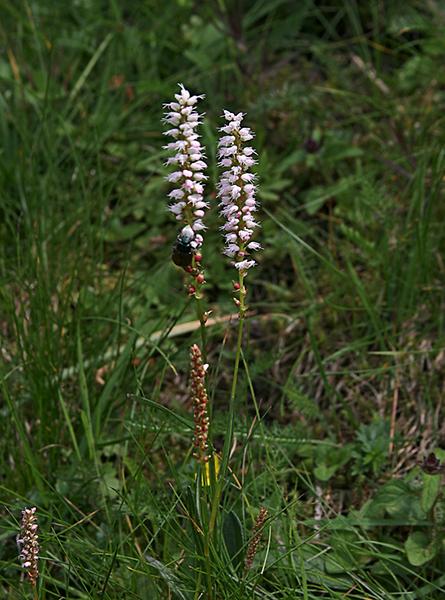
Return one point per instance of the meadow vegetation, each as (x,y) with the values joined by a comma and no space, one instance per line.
(329,488)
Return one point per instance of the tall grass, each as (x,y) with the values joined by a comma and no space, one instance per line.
(339,393)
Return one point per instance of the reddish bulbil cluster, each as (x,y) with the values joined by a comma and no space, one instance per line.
(200,401)
(256,538)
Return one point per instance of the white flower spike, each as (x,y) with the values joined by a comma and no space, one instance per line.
(236,191)
(188,204)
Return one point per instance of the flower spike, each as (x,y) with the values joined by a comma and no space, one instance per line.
(236,191)
(28,544)
(187,197)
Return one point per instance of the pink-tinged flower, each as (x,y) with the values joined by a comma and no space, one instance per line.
(236,191)
(188,201)
(28,544)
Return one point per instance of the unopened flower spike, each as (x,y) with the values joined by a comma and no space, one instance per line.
(236,191)
(28,544)
(187,198)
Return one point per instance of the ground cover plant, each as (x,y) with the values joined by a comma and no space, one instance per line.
(318,423)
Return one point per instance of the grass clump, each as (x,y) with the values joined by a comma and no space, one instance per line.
(333,423)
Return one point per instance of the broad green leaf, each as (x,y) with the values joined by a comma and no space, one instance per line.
(419,548)
(430,491)
(324,473)
(398,501)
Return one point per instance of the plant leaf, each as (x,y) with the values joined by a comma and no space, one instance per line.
(233,538)
(419,548)
(317,196)
(430,491)
(167,575)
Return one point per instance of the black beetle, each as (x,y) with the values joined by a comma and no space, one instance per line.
(183,250)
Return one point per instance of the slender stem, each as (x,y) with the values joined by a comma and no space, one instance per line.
(200,312)
(201,477)
(208,565)
(229,433)
(198,587)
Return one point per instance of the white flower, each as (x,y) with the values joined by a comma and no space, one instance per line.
(236,191)
(244,265)
(28,544)
(188,158)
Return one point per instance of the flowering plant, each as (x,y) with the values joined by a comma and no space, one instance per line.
(188,201)
(236,191)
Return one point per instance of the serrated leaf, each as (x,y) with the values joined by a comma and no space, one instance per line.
(419,548)
(307,406)
(233,538)
(405,21)
(416,71)
(430,491)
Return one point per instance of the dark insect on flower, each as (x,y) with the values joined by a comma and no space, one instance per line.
(183,250)
(431,465)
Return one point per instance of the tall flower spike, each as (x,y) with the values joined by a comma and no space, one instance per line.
(236,191)
(200,401)
(188,203)
(28,544)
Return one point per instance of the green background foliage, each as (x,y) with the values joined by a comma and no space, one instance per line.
(341,386)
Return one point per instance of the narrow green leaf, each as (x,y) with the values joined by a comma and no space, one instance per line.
(86,410)
(234,538)
(167,575)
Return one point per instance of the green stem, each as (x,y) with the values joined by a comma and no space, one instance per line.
(208,565)
(200,312)
(198,587)
(229,433)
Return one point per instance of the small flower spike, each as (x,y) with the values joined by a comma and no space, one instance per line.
(28,544)
(200,401)
(256,538)
(236,191)
(188,203)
